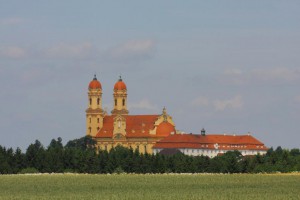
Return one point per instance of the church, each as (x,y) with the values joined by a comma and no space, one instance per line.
(119,128)
(154,133)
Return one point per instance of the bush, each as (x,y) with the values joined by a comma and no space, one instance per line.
(29,170)
(118,170)
(70,171)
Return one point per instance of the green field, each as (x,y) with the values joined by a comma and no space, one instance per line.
(72,186)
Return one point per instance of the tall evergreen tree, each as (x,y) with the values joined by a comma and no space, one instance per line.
(35,156)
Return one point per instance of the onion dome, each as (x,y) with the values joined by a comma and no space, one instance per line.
(164,129)
(120,85)
(95,84)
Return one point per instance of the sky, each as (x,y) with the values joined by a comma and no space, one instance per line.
(227,66)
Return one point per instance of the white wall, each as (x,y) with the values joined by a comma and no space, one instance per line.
(213,152)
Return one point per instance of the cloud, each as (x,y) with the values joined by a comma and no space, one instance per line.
(12,52)
(231,72)
(235,103)
(66,51)
(297,99)
(11,21)
(134,49)
(200,101)
(275,75)
(143,104)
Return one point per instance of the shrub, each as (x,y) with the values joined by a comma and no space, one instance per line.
(29,170)
(118,170)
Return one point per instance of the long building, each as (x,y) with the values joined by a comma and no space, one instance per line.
(153,133)
(211,145)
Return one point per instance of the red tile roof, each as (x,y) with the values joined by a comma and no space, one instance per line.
(120,85)
(214,141)
(164,129)
(136,126)
(95,84)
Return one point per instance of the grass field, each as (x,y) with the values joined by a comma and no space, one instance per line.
(72,186)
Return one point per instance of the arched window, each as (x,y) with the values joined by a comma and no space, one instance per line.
(98,128)
(98,120)
(145,148)
(115,102)
(98,101)
(123,102)
(90,101)
(90,129)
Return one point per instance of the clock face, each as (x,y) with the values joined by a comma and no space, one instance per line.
(216,146)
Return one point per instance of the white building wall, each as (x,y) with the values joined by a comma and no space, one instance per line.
(213,152)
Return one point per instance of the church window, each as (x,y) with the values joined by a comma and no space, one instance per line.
(98,120)
(145,148)
(98,101)
(105,147)
(90,101)
(90,129)
(90,120)
(98,128)
(115,102)
(123,102)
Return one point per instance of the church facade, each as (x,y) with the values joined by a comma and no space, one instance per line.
(119,128)
(154,133)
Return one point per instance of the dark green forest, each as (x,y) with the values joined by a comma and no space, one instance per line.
(80,156)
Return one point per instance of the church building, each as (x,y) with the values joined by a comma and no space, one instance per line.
(119,128)
(154,133)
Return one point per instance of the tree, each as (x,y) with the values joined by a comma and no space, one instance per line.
(35,156)
(232,161)
(4,166)
(82,143)
(55,156)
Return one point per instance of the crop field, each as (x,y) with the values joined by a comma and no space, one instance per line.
(171,186)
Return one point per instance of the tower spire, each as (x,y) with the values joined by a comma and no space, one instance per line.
(120,98)
(95,77)
(94,112)
(165,115)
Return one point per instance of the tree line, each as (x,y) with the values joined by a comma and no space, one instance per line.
(81,156)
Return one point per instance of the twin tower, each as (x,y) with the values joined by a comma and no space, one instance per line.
(94,113)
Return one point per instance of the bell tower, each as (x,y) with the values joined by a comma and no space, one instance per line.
(94,112)
(120,98)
